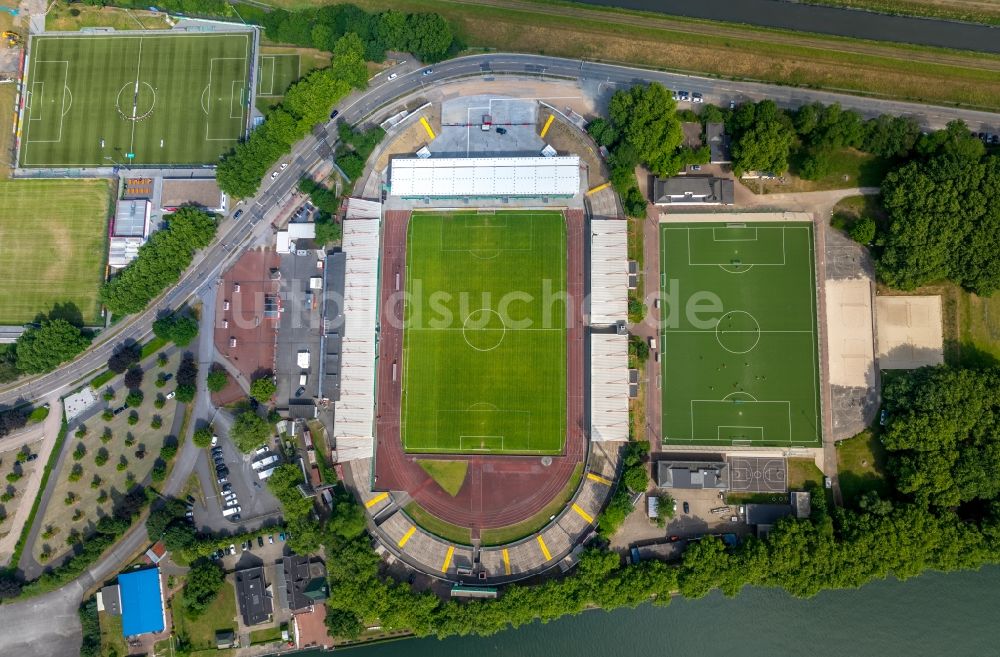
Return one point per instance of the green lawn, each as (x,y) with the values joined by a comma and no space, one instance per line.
(861,467)
(52,248)
(112,641)
(739,342)
(436,526)
(848,168)
(511,533)
(802,472)
(266,635)
(163,98)
(220,615)
(449,475)
(484,362)
(277,72)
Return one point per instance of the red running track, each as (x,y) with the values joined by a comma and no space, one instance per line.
(498,490)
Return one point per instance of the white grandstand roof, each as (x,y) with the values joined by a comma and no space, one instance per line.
(485,176)
(123,250)
(608,387)
(359,208)
(608,271)
(354,411)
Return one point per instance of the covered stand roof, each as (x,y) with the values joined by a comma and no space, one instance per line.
(608,271)
(354,411)
(141,602)
(485,176)
(608,386)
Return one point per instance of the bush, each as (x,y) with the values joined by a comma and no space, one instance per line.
(38,414)
(108,415)
(634,202)
(134,398)
(203,437)
(7,496)
(863,231)
(108,395)
(101,457)
(95,483)
(159,402)
(185,393)
(133,377)
(249,431)
(639,348)
(636,478)
(81,431)
(107,435)
(156,422)
(263,389)
(218,379)
(79,452)
(14,476)
(133,418)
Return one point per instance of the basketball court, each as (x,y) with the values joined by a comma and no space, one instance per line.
(757,475)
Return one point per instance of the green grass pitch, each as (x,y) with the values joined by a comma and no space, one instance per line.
(739,350)
(485,333)
(164,98)
(52,247)
(276,73)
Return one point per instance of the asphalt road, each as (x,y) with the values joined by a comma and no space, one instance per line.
(47,624)
(319,145)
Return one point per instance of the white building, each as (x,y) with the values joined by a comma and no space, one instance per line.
(485,177)
(608,387)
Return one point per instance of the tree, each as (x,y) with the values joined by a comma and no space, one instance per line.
(636,478)
(429,36)
(262,389)
(160,262)
(634,202)
(54,342)
(218,379)
(944,223)
(249,431)
(133,378)
(134,398)
(179,329)
(644,118)
(203,437)
(184,393)
(343,624)
(204,580)
(602,131)
(124,357)
(863,231)
(762,138)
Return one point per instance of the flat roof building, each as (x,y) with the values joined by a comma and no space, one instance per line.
(141,600)
(693,190)
(129,230)
(485,177)
(609,277)
(609,387)
(692,474)
(253,596)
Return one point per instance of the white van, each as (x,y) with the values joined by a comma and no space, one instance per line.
(652,343)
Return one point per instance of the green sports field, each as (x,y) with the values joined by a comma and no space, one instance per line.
(52,248)
(484,345)
(276,73)
(739,351)
(102,100)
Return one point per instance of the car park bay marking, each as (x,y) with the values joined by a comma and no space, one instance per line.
(375,500)
(598,478)
(427,127)
(545,549)
(406,536)
(583,514)
(447,558)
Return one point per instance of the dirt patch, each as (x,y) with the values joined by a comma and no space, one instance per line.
(909,330)
(849,332)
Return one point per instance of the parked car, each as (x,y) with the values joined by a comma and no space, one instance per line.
(260,541)
(696,167)
(300,391)
(687,508)
(883,417)
(501,131)
(270,539)
(260,450)
(284,165)
(732,104)
(31,457)
(232,548)
(237,214)
(828,482)
(281,536)
(697,98)
(274,175)
(236,517)
(222,480)
(215,441)
(226,488)
(171,394)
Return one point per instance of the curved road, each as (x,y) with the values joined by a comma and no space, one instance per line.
(47,625)
(319,145)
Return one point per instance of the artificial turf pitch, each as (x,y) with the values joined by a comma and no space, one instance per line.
(277,72)
(739,351)
(484,345)
(159,98)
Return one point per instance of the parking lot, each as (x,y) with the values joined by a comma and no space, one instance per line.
(461,131)
(257,506)
(299,330)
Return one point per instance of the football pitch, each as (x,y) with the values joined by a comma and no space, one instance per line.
(276,73)
(134,100)
(484,345)
(739,350)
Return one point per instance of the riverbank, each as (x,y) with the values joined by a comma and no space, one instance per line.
(725,50)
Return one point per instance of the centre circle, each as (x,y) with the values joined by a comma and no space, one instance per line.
(141,102)
(737,332)
(484,329)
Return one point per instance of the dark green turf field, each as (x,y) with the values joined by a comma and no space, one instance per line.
(484,352)
(162,98)
(739,348)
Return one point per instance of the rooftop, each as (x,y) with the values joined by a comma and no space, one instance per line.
(490,177)
(141,602)
(693,190)
(718,142)
(203,192)
(692,474)
(305,582)
(251,592)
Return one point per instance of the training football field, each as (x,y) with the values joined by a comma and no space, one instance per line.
(484,347)
(129,100)
(739,351)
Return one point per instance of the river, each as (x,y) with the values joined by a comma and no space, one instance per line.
(931,615)
(827,20)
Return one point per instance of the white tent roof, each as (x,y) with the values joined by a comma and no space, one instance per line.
(354,411)
(608,387)
(485,176)
(302,231)
(608,271)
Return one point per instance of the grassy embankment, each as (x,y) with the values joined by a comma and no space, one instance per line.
(916,73)
(975,11)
